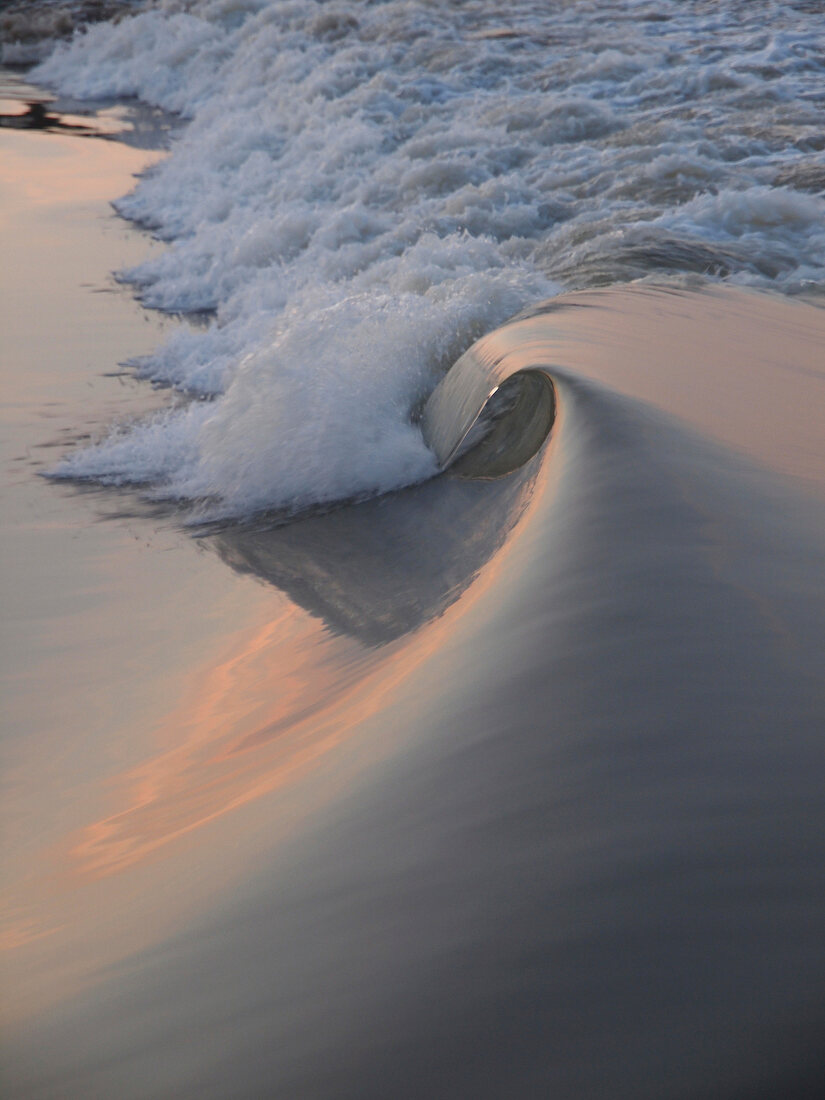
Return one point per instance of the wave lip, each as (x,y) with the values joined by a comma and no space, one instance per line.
(490,414)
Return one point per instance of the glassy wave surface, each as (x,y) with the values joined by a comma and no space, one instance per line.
(539,777)
(364,189)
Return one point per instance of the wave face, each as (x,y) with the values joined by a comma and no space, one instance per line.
(574,845)
(364,189)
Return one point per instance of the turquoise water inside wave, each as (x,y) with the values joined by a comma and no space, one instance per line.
(363,189)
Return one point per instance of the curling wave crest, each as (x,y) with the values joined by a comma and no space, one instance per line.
(363,190)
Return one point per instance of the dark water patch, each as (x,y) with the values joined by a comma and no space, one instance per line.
(24,106)
(37,116)
(807,176)
(378,570)
(610,260)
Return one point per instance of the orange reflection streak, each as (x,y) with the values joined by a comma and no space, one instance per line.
(280,702)
(270,715)
(283,698)
(19,933)
(260,718)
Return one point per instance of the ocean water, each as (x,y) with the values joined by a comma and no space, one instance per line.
(362,190)
(514,787)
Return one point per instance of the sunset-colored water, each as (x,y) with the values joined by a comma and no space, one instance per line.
(330,773)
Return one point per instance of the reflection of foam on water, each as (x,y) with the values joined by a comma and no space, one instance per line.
(384,568)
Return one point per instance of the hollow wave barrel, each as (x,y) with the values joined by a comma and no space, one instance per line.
(491,412)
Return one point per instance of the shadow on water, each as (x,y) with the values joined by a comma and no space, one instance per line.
(38,117)
(26,107)
(380,569)
(385,567)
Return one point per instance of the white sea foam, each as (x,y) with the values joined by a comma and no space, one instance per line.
(364,188)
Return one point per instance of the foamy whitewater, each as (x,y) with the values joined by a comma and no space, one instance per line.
(363,189)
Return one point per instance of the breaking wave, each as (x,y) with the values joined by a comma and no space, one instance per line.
(364,190)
